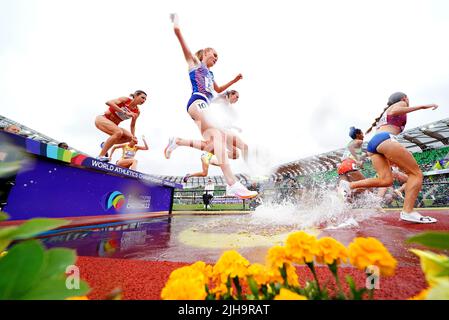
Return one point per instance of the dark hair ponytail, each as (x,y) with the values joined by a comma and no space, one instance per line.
(377,120)
(394,98)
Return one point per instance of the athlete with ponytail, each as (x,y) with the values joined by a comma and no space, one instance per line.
(383,149)
(120,109)
(203,91)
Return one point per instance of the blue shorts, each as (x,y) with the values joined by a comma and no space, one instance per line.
(377,140)
(195,97)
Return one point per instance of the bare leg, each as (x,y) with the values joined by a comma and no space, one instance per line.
(233,141)
(203,173)
(133,165)
(403,158)
(117,134)
(384,179)
(125,163)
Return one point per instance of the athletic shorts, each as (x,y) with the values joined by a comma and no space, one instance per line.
(347,166)
(199,100)
(377,140)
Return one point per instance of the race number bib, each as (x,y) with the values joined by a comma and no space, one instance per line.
(122,114)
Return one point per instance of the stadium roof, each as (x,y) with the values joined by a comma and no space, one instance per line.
(32,134)
(434,135)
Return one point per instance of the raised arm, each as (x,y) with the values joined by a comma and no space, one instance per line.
(145,143)
(401,108)
(191,59)
(220,89)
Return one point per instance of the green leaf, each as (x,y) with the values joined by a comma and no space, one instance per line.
(55,289)
(3,216)
(36,226)
(4,243)
(56,262)
(20,269)
(254,287)
(438,240)
(6,232)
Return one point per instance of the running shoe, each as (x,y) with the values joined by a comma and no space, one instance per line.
(399,194)
(344,189)
(239,190)
(170,147)
(187,176)
(103,159)
(416,217)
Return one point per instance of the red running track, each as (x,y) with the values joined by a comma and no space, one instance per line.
(145,279)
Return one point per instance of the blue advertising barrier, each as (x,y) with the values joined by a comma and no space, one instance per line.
(41,180)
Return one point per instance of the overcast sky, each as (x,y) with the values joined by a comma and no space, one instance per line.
(311,69)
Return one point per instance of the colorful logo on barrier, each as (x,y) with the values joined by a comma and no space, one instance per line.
(114,199)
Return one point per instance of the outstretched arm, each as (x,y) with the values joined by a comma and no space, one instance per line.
(219,89)
(143,147)
(191,59)
(133,123)
(401,108)
(117,146)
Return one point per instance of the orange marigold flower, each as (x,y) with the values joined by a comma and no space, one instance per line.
(232,264)
(276,257)
(286,294)
(330,250)
(301,247)
(364,252)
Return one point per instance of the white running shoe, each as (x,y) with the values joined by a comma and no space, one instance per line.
(417,217)
(239,190)
(170,147)
(344,189)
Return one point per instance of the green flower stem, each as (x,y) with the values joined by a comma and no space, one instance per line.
(238,287)
(334,270)
(312,268)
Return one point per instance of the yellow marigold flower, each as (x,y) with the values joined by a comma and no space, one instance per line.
(232,264)
(331,250)
(432,265)
(260,273)
(274,275)
(188,272)
(276,257)
(204,268)
(184,289)
(185,283)
(301,247)
(220,290)
(286,294)
(420,296)
(78,298)
(364,252)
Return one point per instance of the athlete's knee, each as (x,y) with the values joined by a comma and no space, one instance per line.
(117,134)
(385,181)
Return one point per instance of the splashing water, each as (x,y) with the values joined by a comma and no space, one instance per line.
(323,210)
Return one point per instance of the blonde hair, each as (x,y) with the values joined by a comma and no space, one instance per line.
(200,53)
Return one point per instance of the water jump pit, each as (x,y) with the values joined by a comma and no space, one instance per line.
(138,256)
